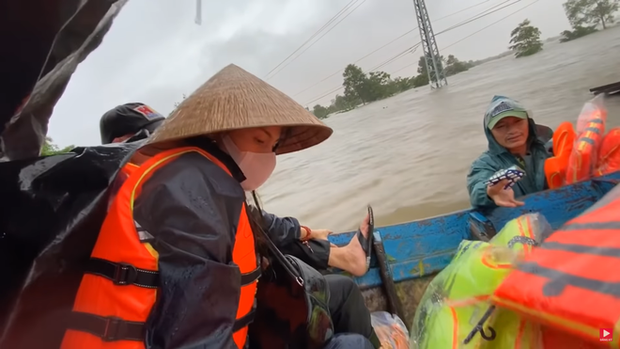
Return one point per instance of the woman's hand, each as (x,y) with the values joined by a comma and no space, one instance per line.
(503,197)
(316,234)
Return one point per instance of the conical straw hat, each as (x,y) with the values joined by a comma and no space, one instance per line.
(235,99)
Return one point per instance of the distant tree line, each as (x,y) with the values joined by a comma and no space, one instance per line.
(361,88)
(586,15)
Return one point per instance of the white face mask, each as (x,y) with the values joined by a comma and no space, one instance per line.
(257,167)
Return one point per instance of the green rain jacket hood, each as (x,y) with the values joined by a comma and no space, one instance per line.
(498,158)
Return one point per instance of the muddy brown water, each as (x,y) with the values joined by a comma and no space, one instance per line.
(409,155)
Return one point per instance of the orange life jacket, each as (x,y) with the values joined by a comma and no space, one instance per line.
(571,281)
(555,167)
(583,158)
(609,153)
(119,289)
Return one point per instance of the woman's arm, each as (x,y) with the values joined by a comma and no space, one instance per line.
(282,230)
(191,208)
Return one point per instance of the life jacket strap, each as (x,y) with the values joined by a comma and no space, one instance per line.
(109,329)
(112,328)
(250,277)
(122,273)
(245,320)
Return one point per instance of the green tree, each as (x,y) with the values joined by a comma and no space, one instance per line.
(582,13)
(422,68)
(341,103)
(50,148)
(525,39)
(378,85)
(422,78)
(355,84)
(453,66)
(320,111)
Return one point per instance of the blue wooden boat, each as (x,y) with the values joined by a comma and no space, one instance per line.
(418,250)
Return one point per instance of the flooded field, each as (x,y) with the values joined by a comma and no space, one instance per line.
(409,155)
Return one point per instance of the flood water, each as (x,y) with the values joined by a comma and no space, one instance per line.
(409,155)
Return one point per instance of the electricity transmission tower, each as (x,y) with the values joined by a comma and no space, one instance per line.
(198,19)
(434,65)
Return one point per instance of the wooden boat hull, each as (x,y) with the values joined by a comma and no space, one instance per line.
(417,250)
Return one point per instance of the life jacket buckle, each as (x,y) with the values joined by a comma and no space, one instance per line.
(113,327)
(124,274)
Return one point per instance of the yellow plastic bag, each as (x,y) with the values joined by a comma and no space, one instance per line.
(457,299)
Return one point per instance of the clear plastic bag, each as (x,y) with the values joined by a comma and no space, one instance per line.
(457,299)
(390,329)
(589,133)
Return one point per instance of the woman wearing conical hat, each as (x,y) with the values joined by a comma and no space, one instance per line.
(136,121)
(176,262)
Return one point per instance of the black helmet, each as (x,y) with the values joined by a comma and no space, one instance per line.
(128,119)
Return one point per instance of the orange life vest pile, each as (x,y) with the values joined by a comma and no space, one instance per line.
(570,284)
(585,152)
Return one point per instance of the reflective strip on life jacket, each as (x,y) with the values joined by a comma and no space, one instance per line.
(120,285)
(570,282)
(129,168)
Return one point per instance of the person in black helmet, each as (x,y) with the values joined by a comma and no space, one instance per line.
(130,121)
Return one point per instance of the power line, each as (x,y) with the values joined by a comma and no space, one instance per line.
(331,20)
(477,17)
(397,38)
(340,70)
(325,95)
(411,49)
(401,54)
(503,18)
(472,19)
(317,40)
(474,33)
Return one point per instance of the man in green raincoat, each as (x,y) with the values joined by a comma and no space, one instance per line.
(514,139)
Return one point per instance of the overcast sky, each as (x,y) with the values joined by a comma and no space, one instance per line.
(154,52)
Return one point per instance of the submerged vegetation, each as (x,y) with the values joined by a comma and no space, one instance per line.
(361,88)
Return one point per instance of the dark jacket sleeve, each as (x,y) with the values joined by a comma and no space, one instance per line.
(479,173)
(191,208)
(281,230)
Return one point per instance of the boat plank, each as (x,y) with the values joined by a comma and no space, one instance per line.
(609,88)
